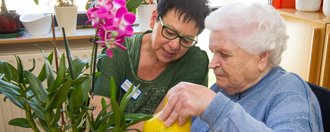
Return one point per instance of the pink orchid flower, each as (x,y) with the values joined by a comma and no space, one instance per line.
(113,23)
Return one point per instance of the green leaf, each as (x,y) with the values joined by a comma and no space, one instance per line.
(104,120)
(15,99)
(42,75)
(76,99)
(44,125)
(60,75)
(48,68)
(89,4)
(9,88)
(21,122)
(131,5)
(19,69)
(4,69)
(59,96)
(38,110)
(14,72)
(49,74)
(104,103)
(36,1)
(33,66)
(56,116)
(78,66)
(127,96)
(135,118)
(79,94)
(36,86)
(69,57)
(103,113)
(114,103)
(124,102)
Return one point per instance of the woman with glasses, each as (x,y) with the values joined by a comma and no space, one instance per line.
(159,59)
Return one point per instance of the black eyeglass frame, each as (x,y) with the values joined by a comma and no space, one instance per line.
(164,27)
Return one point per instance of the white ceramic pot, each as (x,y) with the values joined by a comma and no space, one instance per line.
(67,17)
(144,12)
(326,7)
(37,24)
(308,5)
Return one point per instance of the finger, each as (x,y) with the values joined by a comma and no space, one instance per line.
(167,111)
(171,92)
(173,117)
(184,111)
(175,113)
(182,117)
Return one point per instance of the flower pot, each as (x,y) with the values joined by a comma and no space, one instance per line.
(308,5)
(326,7)
(144,15)
(9,23)
(37,24)
(67,17)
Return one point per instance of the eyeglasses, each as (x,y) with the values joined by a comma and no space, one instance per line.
(171,34)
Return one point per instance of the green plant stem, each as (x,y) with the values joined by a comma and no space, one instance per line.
(29,117)
(93,61)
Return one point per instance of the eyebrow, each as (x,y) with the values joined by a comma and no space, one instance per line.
(226,51)
(173,28)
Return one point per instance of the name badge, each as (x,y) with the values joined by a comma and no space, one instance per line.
(126,85)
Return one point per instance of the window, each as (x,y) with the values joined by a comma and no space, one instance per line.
(45,6)
(218,3)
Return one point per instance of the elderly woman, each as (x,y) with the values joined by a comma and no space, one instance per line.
(252,92)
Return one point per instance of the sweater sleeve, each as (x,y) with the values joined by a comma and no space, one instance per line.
(289,114)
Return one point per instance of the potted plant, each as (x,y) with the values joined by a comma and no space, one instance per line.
(131,5)
(57,99)
(66,15)
(144,13)
(9,22)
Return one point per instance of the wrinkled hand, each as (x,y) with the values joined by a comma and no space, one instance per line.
(186,100)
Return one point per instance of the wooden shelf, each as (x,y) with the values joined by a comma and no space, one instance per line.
(83,33)
(318,17)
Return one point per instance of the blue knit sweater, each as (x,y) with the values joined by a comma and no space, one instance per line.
(281,101)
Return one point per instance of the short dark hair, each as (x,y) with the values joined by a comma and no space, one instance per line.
(195,10)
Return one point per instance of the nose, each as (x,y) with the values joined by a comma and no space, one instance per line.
(175,43)
(214,63)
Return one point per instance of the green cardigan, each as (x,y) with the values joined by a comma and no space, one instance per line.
(192,67)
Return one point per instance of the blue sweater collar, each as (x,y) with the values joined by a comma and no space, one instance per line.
(264,81)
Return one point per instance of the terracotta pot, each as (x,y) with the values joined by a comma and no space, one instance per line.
(9,23)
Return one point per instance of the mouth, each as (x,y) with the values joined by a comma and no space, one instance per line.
(219,74)
(168,54)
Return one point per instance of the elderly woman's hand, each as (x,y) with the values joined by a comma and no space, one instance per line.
(186,100)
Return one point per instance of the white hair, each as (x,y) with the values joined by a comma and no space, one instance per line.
(255,27)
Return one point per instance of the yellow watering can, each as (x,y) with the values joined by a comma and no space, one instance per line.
(155,125)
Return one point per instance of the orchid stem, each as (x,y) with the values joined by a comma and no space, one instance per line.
(68,53)
(94,40)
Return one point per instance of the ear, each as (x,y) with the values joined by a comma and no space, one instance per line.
(153,18)
(263,61)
